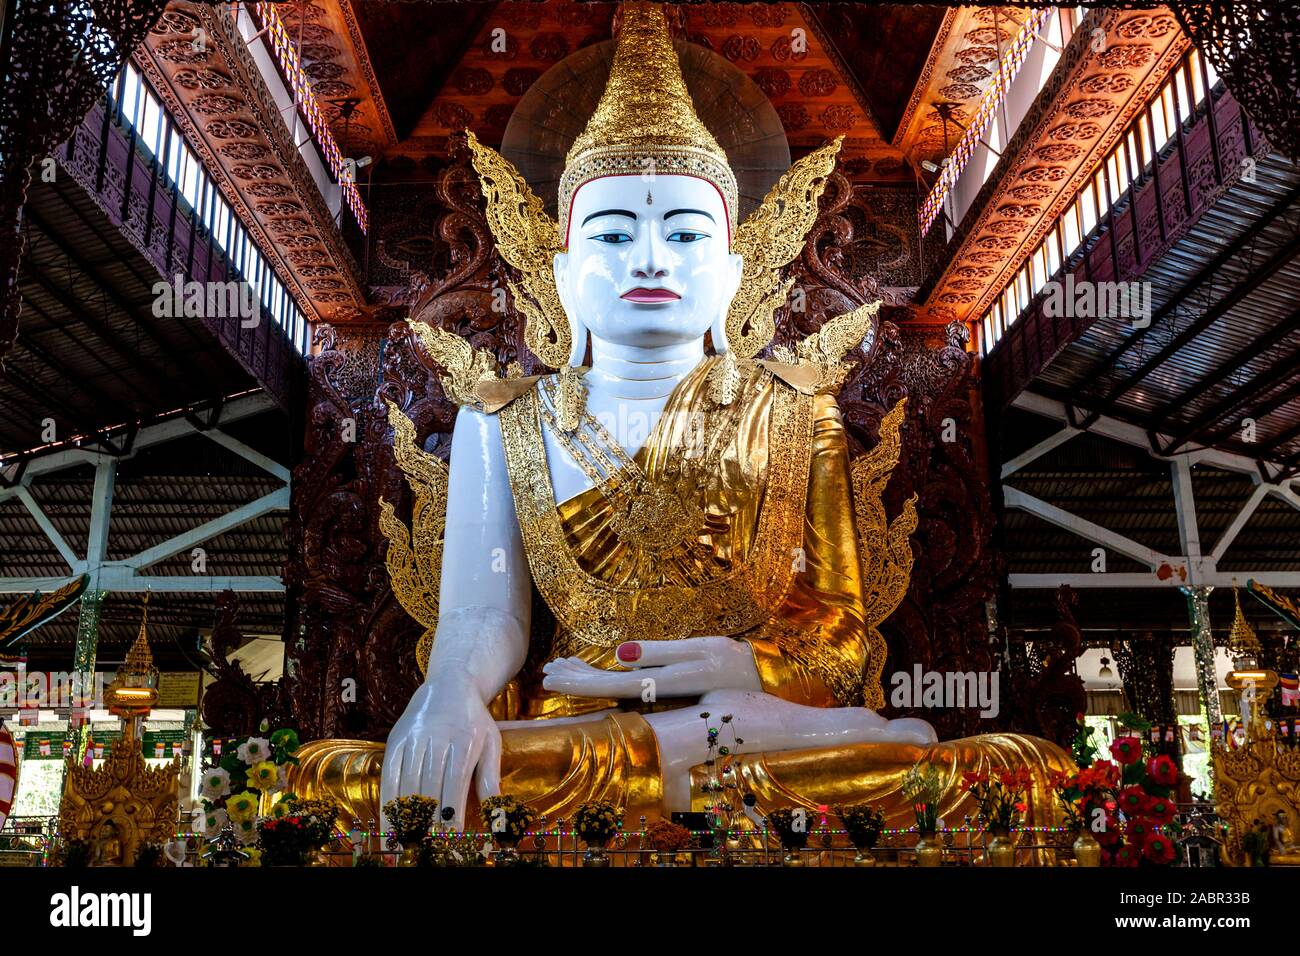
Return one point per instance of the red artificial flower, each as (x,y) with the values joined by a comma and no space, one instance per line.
(1125,855)
(1132,800)
(1107,773)
(1163,770)
(1161,810)
(1111,833)
(1126,750)
(1158,848)
(1138,830)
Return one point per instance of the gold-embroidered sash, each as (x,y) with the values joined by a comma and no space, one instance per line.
(746,589)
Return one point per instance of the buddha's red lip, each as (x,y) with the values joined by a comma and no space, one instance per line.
(650,295)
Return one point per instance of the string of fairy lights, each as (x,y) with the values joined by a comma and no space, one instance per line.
(311,110)
(1008,68)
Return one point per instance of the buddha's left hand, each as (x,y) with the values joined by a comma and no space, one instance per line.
(693,665)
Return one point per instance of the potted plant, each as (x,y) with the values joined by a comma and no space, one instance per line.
(596,823)
(667,839)
(318,816)
(411,819)
(508,820)
(1082,797)
(284,840)
(999,795)
(791,828)
(863,823)
(924,789)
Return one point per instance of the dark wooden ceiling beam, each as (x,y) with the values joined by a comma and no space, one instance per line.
(1225,410)
(143,322)
(64,328)
(1210,270)
(40,394)
(87,312)
(1277,261)
(193,370)
(97,397)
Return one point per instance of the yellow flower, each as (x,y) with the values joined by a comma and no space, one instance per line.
(263,776)
(282,809)
(242,807)
(254,857)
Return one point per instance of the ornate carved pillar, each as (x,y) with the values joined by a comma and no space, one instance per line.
(1198,613)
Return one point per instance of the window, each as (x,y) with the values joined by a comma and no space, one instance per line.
(158,136)
(1127,161)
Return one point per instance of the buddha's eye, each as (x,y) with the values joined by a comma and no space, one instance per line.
(613,238)
(687,235)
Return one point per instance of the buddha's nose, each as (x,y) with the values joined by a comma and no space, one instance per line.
(650,261)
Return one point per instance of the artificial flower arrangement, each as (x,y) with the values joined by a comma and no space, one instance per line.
(231,792)
(999,794)
(863,823)
(507,819)
(596,822)
(295,829)
(1127,803)
(664,836)
(411,818)
(453,850)
(924,789)
(790,827)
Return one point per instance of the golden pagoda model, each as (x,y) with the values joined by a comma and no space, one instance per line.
(125,803)
(1256,785)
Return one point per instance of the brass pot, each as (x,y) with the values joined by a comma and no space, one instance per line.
(793,857)
(864,857)
(929,850)
(595,856)
(1087,851)
(410,856)
(1002,849)
(318,857)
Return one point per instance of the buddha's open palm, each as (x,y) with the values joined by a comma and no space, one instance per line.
(693,665)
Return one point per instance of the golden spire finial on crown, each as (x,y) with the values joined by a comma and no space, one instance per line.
(645,121)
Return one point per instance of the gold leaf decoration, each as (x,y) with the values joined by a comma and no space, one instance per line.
(528,240)
(824,350)
(769,239)
(464,365)
(884,546)
(414,557)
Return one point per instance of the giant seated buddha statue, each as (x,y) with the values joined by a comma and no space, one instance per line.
(692,521)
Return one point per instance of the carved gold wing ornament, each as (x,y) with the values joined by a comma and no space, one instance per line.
(883,546)
(769,240)
(415,554)
(528,240)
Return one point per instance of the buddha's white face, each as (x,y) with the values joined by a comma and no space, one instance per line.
(648,263)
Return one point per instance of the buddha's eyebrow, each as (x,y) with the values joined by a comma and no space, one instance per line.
(689,212)
(609,212)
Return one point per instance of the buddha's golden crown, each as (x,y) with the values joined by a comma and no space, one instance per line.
(645,122)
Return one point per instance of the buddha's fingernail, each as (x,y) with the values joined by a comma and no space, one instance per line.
(631,651)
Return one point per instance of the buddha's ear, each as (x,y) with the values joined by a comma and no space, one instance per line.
(577,329)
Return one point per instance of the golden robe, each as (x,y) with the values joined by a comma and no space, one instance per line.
(775,564)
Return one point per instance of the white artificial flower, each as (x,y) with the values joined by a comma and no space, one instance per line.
(246,832)
(254,750)
(216,784)
(214,822)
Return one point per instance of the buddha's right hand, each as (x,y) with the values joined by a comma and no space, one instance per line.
(445,740)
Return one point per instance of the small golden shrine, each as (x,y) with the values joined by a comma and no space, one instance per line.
(1257,784)
(124,803)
